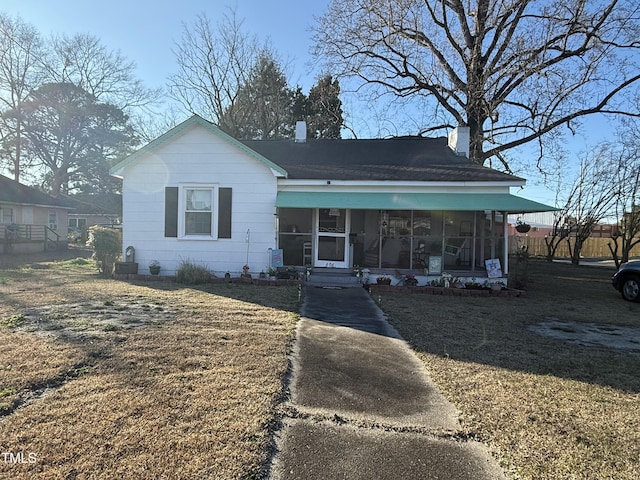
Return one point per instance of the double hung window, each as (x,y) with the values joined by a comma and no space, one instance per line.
(198,211)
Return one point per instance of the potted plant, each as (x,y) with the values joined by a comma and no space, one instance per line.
(154,267)
(522,227)
(245,271)
(447,279)
(383,280)
(410,280)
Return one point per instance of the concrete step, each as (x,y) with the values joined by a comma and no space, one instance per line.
(332,277)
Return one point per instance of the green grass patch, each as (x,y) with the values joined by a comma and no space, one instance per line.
(13,321)
(110,327)
(79,262)
(6,392)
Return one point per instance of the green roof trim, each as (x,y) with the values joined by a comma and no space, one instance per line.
(194,120)
(504,202)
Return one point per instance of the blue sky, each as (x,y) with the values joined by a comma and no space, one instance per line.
(146,31)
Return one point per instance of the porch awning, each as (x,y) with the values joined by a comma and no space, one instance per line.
(503,202)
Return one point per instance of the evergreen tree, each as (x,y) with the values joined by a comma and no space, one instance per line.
(73,137)
(324,109)
(263,105)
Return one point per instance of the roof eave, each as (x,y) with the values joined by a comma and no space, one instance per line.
(31,204)
(517,182)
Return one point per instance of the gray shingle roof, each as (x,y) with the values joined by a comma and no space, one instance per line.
(16,193)
(393,159)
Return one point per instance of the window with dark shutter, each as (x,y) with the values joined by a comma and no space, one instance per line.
(224,212)
(171,211)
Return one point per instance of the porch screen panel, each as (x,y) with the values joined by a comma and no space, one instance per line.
(396,238)
(171,211)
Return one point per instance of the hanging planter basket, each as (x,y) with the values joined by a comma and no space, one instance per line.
(523,227)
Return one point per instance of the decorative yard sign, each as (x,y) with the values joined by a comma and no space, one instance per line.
(276,258)
(435,265)
(494,270)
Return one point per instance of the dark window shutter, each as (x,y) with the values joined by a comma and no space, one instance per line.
(224,213)
(171,211)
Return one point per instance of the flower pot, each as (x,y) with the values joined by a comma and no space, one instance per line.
(523,227)
(155,270)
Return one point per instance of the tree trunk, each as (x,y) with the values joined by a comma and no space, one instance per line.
(17,159)
(60,179)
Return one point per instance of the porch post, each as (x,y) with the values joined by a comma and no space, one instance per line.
(505,226)
(493,234)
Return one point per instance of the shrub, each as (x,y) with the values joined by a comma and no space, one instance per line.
(192,274)
(107,245)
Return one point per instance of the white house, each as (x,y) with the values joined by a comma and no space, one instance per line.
(196,194)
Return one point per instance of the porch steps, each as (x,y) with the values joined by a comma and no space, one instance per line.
(332,277)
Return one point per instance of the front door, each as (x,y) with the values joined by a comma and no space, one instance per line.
(332,235)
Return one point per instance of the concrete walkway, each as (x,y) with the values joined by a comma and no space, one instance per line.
(362,405)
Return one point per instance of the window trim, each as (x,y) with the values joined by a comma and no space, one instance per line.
(7,213)
(182,210)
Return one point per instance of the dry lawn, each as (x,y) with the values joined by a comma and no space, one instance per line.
(548,409)
(106,379)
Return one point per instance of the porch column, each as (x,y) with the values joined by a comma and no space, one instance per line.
(505,226)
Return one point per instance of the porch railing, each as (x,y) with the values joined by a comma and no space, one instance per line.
(16,233)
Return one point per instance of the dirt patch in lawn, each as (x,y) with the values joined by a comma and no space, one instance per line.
(86,319)
(548,406)
(109,379)
(590,334)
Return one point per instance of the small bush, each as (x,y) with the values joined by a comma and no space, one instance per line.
(107,245)
(192,274)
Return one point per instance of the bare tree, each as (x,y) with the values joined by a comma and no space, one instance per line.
(28,64)
(627,207)
(20,53)
(560,229)
(511,70)
(107,75)
(214,62)
(558,234)
(592,197)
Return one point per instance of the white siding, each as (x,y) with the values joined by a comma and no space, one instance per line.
(198,156)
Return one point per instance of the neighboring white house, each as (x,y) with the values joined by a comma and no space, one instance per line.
(196,194)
